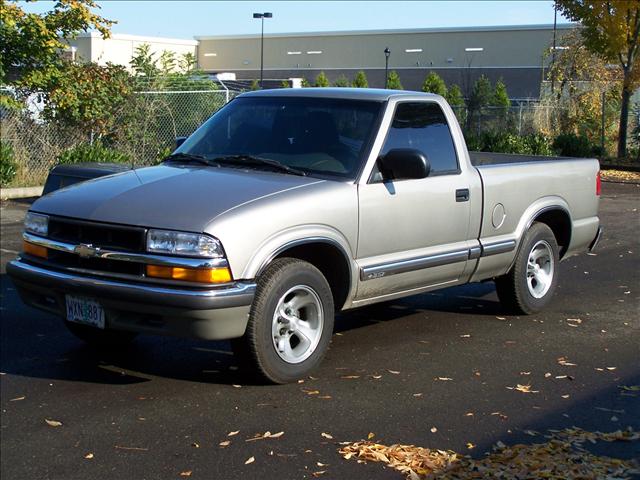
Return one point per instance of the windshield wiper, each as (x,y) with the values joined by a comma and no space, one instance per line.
(251,160)
(190,157)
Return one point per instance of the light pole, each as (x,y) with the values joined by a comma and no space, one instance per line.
(387,52)
(262,16)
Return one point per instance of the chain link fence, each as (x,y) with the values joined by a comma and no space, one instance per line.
(148,129)
(150,125)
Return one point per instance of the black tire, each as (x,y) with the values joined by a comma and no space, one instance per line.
(103,339)
(258,349)
(515,291)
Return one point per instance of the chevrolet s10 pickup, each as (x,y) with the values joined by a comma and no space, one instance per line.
(290,205)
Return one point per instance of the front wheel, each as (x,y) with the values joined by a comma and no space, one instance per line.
(532,281)
(290,323)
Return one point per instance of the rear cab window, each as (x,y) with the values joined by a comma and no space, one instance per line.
(422,126)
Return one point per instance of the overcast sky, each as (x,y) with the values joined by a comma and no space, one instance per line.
(185,19)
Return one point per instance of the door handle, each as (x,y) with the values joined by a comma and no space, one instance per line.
(462,195)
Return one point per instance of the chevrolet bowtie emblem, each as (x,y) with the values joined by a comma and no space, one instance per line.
(85,251)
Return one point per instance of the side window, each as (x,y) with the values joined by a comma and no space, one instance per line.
(423,126)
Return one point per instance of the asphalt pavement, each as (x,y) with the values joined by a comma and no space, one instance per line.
(431,370)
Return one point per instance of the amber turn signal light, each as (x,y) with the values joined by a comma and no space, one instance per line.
(33,249)
(199,275)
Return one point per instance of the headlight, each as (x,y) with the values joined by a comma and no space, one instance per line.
(36,223)
(181,243)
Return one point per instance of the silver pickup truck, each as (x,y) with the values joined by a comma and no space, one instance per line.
(290,205)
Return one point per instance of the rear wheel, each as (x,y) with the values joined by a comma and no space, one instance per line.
(531,282)
(104,339)
(290,324)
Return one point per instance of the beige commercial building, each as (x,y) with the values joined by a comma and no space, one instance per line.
(518,54)
(120,48)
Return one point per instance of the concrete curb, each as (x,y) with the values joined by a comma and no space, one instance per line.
(20,192)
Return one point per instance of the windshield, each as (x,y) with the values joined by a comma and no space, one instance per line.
(317,136)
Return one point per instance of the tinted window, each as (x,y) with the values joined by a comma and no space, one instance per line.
(424,127)
(324,136)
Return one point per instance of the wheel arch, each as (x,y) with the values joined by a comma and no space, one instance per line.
(328,256)
(558,219)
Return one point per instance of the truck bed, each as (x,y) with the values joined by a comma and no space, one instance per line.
(489,158)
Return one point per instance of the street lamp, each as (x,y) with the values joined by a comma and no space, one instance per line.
(387,52)
(262,16)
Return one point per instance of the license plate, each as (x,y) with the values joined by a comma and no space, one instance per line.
(85,311)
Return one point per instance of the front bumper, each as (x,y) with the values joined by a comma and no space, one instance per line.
(213,313)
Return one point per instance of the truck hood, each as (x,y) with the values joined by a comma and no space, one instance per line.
(172,197)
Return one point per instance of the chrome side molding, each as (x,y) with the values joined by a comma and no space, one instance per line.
(418,263)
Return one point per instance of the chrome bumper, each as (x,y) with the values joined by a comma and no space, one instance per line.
(238,294)
(596,240)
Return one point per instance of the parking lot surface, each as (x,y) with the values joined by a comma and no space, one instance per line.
(439,370)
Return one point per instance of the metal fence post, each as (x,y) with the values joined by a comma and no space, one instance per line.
(602,124)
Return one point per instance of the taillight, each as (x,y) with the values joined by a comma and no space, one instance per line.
(598,184)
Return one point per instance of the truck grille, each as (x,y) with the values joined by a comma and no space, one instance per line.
(71,260)
(104,235)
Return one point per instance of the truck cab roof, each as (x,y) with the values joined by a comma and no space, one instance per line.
(371,94)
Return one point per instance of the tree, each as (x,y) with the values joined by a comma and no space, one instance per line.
(581,79)
(88,97)
(393,81)
(434,84)
(480,98)
(305,83)
(454,96)
(31,43)
(611,29)
(341,81)
(501,98)
(360,80)
(285,84)
(321,80)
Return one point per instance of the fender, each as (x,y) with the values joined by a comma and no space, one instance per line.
(301,235)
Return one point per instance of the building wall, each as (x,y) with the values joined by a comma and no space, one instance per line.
(119,49)
(516,54)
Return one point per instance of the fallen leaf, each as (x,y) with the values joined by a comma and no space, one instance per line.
(250,460)
(225,443)
(186,473)
(89,456)
(611,368)
(326,435)
(434,429)
(311,392)
(17,399)
(231,434)
(501,318)
(523,388)
(470,446)
(371,435)
(53,423)
(377,377)
(632,388)
(469,414)
(565,396)
(417,394)
(445,379)
(525,373)
(236,386)
(322,464)
(325,397)
(465,336)
(318,473)
(394,372)
(350,377)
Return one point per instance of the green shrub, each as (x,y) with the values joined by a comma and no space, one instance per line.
(572,145)
(8,167)
(92,153)
(505,142)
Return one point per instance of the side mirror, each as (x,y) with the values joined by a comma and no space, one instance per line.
(404,164)
(180,141)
